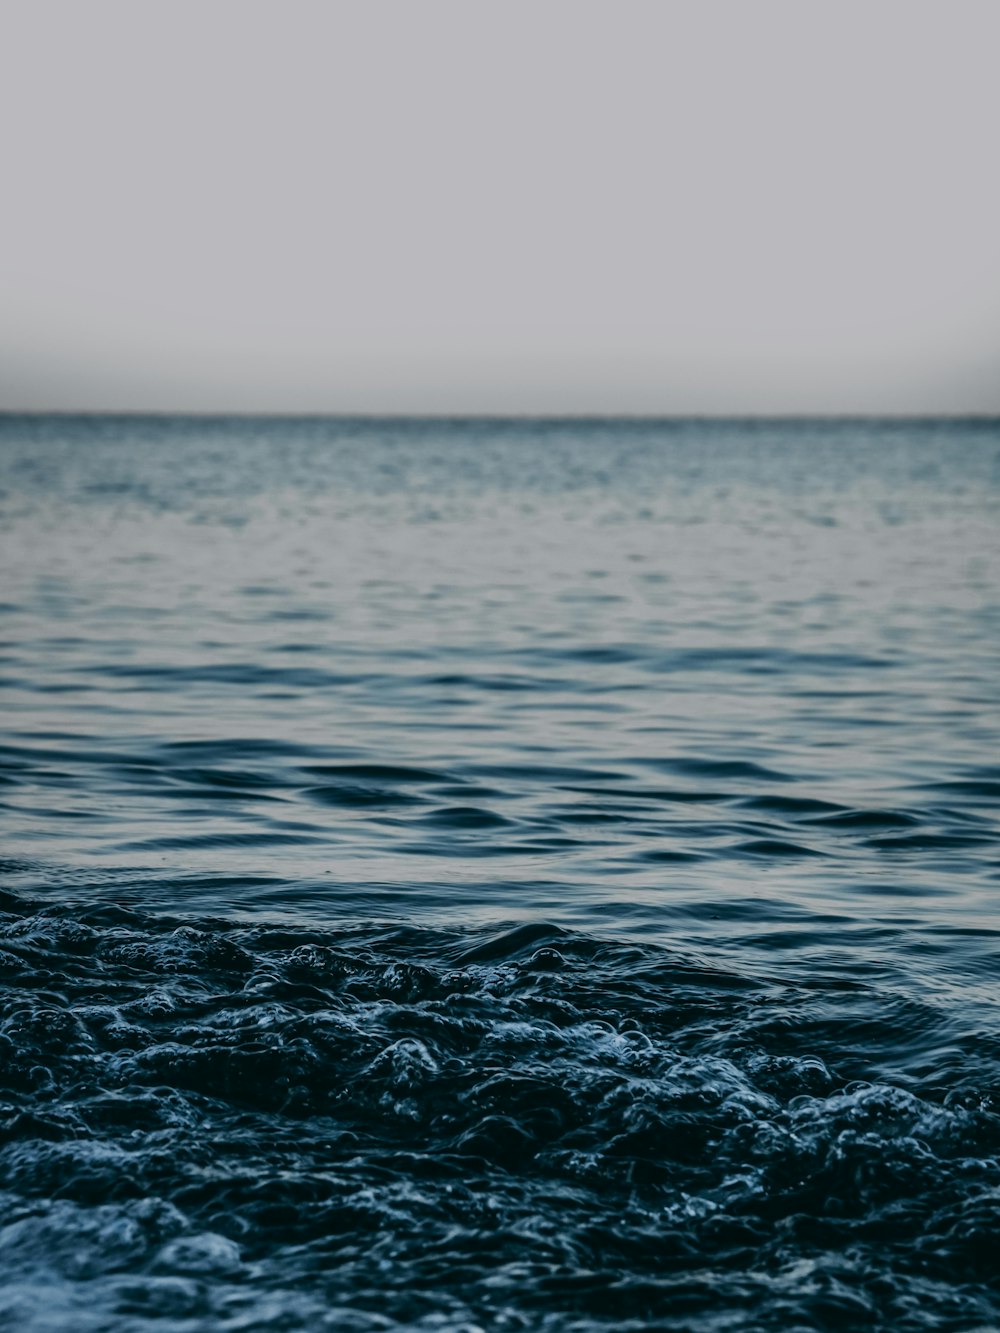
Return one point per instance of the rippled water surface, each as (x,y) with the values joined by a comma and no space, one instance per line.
(499,875)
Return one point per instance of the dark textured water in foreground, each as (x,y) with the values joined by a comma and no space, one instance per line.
(499,876)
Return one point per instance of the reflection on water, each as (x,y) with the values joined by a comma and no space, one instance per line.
(499,874)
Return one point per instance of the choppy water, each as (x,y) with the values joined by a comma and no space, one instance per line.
(499,875)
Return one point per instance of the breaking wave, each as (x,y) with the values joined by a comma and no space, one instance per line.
(214,1125)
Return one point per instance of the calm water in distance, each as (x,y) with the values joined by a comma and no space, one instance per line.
(500,875)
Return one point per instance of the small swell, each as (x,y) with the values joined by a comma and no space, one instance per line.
(778,847)
(355,794)
(465,817)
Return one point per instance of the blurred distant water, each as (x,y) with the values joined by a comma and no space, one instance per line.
(499,874)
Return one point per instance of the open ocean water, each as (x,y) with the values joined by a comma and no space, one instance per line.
(499,875)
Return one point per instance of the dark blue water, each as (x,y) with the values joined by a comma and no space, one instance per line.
(499,875)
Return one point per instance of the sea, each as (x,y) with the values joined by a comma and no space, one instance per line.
(499,875)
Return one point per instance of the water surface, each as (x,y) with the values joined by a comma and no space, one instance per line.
(499,874)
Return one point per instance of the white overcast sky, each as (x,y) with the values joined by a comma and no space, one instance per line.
(500,205)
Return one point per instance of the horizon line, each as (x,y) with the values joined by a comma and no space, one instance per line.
(224,414)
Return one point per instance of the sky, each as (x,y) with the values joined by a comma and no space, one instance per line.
(500,206)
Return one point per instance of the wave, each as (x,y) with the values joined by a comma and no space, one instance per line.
(221,1125)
